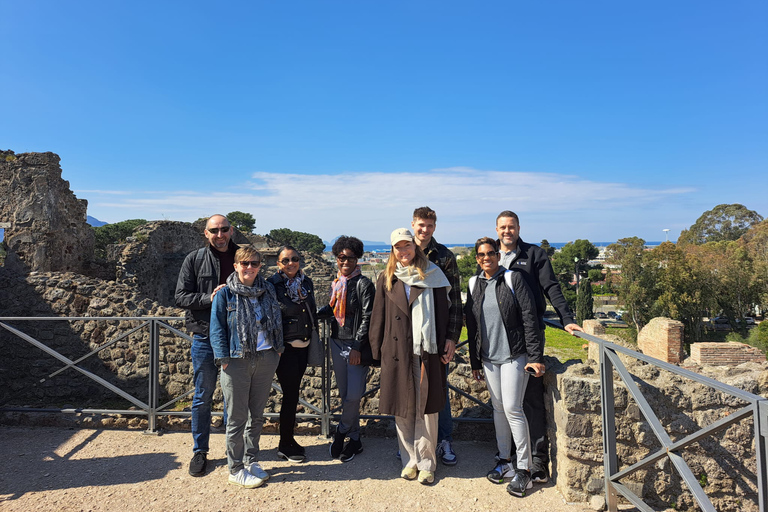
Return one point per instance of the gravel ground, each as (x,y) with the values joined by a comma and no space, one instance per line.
(95,470)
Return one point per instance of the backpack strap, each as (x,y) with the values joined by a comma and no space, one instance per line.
(472,282)
(508,280)
(199,259)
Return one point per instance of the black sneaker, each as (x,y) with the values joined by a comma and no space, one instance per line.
(297,447)
(291,453)
(502,470)
(198,464)
(539,473)
(337,445)
(520,483)
(353,447)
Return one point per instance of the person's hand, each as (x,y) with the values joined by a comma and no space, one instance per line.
(570,328)
(539,367)
(354,357)
(450,349)
(477,375)
(216,290)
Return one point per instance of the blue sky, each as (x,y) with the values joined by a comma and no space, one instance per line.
(595,120)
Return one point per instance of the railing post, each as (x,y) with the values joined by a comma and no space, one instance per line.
(610,457)
(761,452)
(153,377)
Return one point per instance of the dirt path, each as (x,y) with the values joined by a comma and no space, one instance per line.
(100,470)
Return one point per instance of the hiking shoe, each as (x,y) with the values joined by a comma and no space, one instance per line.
(297,447)
(520,483)
(255,469)
(501,471)
(539,472)
(337,445)
(409,473)
(446,454)
(198,464)
(426,477)
(353,447)
(291,453)
(244,478)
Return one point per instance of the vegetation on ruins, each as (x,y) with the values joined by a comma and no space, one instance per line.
(300,240)
(116,233)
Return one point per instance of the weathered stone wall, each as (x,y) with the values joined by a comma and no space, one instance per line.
(725,462)
(725,354)
(47,223)
(662,338)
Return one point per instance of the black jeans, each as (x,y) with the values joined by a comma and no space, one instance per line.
(293,364)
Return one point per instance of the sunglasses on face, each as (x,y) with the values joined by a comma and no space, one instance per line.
(252,264)
(344,259)
(490,254)
(215,231)
(292,259)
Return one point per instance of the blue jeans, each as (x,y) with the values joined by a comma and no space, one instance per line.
(444,419)
(205,375)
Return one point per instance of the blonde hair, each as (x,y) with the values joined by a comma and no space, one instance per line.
(247,253)
(419,263)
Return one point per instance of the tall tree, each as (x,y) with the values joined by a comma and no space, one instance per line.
(547,248)
(755,241)
(634,286)
(467,267)
(724,222)
(300,240)
(565,262)
(584,302)
(244,222)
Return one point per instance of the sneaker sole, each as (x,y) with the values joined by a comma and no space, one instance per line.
(351,456)
(291,458)
(540,480)
(523,493)
(449,463)
(246,486)
(495,480)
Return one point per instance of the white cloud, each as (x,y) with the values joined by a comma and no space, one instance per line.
(370,205)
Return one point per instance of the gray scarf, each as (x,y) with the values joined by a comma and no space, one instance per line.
(423,308)
(248,326)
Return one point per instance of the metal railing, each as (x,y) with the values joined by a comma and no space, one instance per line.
(756,408)
(151,408)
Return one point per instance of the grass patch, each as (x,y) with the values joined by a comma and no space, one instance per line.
(563,346)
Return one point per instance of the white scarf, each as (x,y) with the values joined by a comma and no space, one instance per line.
(423,308)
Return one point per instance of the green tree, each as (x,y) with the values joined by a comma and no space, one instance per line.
(573,255)
(547,248)
(724,222)
(109,234)
(584,302)
(300,240)
(634,287)
(244,222)
(467,267)
(755,242)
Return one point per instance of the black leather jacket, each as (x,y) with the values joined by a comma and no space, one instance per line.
(198,277)
(358,317)
(298,319)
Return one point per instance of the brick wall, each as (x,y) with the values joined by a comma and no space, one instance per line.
(725,354)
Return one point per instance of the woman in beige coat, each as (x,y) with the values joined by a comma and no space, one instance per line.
(408,329)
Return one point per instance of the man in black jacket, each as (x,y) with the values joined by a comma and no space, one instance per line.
(203,273)
(532,260)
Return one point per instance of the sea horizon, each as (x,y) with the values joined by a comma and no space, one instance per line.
(384,247)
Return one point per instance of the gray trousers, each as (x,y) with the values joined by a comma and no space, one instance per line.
(506,384)
(350,379)
(246,384)
(416,432)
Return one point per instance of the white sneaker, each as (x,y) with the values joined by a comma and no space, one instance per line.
(245,479)
(255,469)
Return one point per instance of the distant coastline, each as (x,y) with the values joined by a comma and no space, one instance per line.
(384,247)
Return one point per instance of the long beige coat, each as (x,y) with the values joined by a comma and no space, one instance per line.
(391,341)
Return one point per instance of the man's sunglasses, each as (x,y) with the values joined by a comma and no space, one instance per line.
(215,231)
(292,259)
(252,264)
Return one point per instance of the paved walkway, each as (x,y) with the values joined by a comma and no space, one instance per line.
(78,469)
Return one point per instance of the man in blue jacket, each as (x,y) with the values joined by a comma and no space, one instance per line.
(532,260)
(203,273)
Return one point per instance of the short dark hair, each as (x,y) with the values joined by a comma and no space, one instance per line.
(287,248)
(348,242)
(424,212)
(487,240)
(507,213)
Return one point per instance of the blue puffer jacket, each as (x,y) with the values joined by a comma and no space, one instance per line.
(223,331)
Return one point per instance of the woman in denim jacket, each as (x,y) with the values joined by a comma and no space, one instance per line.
(247,338)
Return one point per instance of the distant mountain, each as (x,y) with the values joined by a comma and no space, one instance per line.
(93,221)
